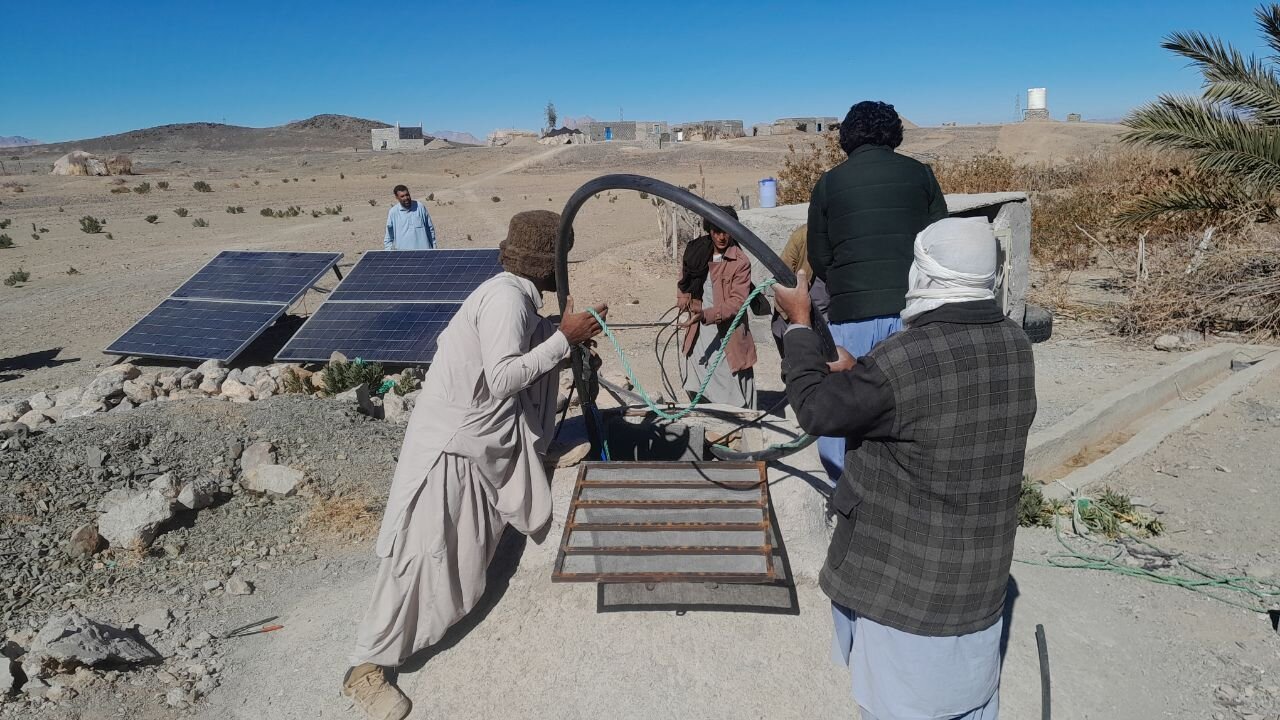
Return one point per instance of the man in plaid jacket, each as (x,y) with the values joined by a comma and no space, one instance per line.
(936,419)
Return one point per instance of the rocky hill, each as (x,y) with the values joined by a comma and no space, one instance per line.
(16,141)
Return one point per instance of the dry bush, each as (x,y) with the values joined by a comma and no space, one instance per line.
(120,165)
(801,169)
(354,518)
(1211,282)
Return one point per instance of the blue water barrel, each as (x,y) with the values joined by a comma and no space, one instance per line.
(768,193)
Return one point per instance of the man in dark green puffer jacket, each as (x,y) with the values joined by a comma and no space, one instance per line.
(864,216)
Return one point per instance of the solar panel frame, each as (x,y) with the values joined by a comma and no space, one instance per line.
(435,276)
(404,333)
(197,287)
(265,315)
(276,307)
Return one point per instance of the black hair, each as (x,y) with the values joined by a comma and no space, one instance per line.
(870,122)
(708,226)
(396,190)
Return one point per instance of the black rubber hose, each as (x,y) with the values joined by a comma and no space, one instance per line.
(1042,646)
(680,196)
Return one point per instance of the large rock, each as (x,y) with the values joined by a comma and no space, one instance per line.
(14,410)
(359,396)
(84,542)
(133,524)
(12,429)
(79,162)
(395,408)
(273,480)
(257,454)
(236,390)
(7,678)
(40,401)
(74,640)
(81,409)
(35,419)
(110,382)
(191,380)
(139,392)
(167,486)
(68,397)
(213,380)
(265,386)
(114,498)
(1169,343)
(198,494)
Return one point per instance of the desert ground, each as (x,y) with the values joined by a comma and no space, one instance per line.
(1119,647)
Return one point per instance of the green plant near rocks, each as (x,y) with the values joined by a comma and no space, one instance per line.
(6,241)
(5,223)
(17,277)
(163,184)
(408,383)
(296,383)
(152,219)
(201,186)
(180,212)
(342,376)
(234,209)
(142,189)
(200,223)
(90,224)
(1034,510)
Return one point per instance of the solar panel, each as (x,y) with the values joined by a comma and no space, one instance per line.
(392,306)
(399,333)
(246,276)
(228,303)
(197,329)
(417,276)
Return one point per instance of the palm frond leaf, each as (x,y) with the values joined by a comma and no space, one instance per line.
(1222,141)
(1230,77)
(1269,22)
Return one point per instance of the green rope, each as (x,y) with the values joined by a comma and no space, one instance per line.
(711,369)
(1262,592)
(715,363)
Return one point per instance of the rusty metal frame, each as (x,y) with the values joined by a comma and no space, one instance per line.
(755,496)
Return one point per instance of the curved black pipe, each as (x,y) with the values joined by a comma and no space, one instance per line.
(680,196)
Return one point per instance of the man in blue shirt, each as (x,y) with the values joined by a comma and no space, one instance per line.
(408,224)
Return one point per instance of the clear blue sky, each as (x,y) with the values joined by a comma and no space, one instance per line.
(84,68)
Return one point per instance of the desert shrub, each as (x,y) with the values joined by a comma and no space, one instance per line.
(5,223)
(152,219)
(333,210)
(17,277)
(295,382)
(267,212)
(61,209)
(284,180)
(295,179)
(408,383)
(342,176)
(495,198)
(120,190)
(373,203)
(35,236)
(6,241)
(341,376)
(431,196)
(180,212)
(90,224)
(802,168)
(382,177)
(1033,509)
(257,182)
(72,271)
(643,195)
(143,188)
(201,186)
(313,179)
(163,184)
(200,223)
(316,213)
(346,218)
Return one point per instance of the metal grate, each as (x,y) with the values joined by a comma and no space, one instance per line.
(668,522)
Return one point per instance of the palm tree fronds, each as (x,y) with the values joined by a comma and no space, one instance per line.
(1269,23)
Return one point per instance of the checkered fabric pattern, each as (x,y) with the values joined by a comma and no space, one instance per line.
(927,515)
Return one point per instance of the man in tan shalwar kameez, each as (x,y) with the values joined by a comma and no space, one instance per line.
(471,463)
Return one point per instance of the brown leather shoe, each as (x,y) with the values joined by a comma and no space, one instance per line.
(370,690)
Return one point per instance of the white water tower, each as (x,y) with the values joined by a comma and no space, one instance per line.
(1037,104)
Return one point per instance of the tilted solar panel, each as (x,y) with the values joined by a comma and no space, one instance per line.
(417,276)
(248,276)
(398,333)
(184,329)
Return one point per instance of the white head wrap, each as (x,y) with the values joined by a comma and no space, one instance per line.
(955,262)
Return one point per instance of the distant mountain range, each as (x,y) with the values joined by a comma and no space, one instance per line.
(577,123)
(16,141)
(461,138)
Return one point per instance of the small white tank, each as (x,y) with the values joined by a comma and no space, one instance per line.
(1037,99)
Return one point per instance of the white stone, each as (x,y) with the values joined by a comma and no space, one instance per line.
(257,454)
(114,498)
(197,494)
(133,524)
(273,479)
(209,365)
(265,386)
(40,401)
(1169,343)
(191,380)
(68,397)
(74,638)
(156,620)
(10,429)
(395,408)
(82,409)
(138,392)
(250,374)
(212,382)
(6,677)
(167,486)
(35,419)
(239,586)
(236,391)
